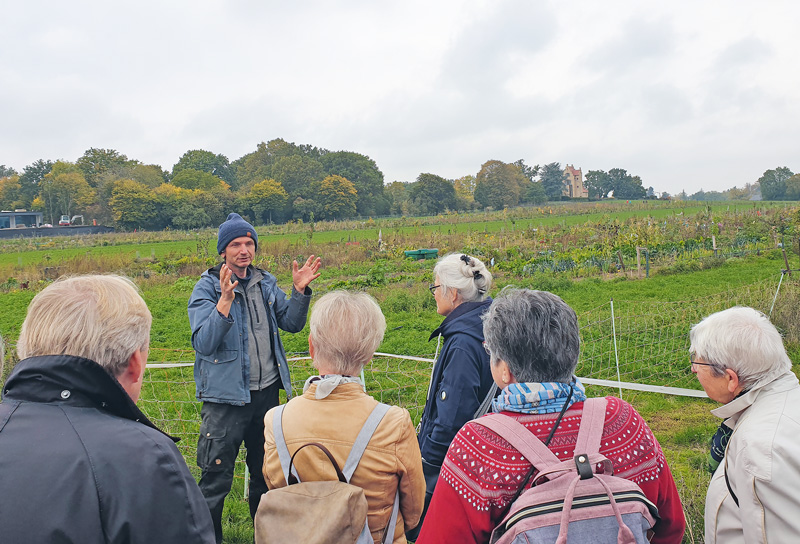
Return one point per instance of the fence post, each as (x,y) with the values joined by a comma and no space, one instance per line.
(616,353)
(783,273)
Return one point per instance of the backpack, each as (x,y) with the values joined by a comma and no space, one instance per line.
(574,505)
(323,512)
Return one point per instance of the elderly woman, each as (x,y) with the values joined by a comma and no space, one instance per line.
(461,382)
(346,329)
(533,340)
(739,359)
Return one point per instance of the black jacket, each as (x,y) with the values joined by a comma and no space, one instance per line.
(80,463)
(459,384)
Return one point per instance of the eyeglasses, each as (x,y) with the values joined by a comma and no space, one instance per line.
(487,348)
(691,366)
(432,288)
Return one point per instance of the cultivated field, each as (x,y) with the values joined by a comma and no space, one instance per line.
(698,258)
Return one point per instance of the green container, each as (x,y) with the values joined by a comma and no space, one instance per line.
(422,253)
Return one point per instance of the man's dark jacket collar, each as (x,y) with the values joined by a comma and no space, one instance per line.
(73,381)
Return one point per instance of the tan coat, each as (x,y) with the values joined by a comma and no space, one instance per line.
(762,465)
(392,457)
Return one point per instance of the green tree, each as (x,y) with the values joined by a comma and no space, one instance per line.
(7,171)
(773,183)
(553,178)
(598,183)
(206,161)
(500,185)
(336,197)
(257,166)
(397,194)
(793,188)
(266,197)
(536,193)
(30,178)
(96,162)
(431,194)
(197,179)
(297,174)
(624,185)
(366,177)
(133,205)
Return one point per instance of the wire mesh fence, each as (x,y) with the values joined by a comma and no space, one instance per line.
(624,344)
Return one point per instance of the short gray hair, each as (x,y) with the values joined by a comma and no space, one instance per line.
(535,333)
(347,328)
(102,318)
(744,340)
(467,275)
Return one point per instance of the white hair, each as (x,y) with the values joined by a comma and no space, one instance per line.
(467,275)
(346,328)
(744,340)
(102,318)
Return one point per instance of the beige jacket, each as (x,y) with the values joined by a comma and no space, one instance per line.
(763,467)
(392,457)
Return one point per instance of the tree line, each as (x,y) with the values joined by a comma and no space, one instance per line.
(277,182)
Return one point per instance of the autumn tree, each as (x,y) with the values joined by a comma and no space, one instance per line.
(365,175)
(266,197)
(133,205)
(10,193)
(336,197)
(65,190)
(465,192)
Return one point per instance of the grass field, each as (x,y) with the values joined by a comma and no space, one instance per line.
(657,311)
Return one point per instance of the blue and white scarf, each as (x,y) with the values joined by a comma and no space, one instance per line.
(538,398)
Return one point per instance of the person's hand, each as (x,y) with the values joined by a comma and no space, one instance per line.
(301,277)
(225,285)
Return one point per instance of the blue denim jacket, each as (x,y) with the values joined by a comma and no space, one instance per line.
(222,362)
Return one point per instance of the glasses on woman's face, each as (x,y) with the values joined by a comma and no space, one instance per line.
(432,288)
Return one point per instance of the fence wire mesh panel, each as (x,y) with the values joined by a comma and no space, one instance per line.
(652,339)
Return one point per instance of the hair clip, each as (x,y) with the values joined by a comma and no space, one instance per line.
(476,275)
(466,259)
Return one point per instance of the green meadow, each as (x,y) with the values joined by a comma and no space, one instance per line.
(699,258)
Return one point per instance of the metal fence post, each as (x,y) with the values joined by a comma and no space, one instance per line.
(616,352)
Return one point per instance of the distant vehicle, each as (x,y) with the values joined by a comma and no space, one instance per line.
(64,221)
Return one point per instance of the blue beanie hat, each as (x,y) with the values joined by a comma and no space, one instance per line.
(234,227)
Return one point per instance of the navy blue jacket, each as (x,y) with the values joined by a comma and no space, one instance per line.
(80,463)
(461,380)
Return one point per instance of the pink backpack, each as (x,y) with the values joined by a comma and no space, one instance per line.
(575,504)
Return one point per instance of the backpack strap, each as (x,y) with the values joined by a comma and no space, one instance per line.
(483,409)
(280,444)
(523,440)
(363,438)
(359,447)
(590,431)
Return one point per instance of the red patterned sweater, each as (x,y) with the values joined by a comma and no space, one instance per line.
(482,472)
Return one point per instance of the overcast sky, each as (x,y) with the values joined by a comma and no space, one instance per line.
(685,94)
